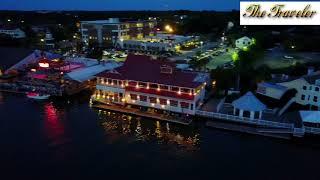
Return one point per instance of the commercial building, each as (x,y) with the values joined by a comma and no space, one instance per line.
(161,42)
(152,83)
(307,87)
(13,32)
(107,33)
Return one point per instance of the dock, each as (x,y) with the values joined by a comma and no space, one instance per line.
(274,133)
(137,112)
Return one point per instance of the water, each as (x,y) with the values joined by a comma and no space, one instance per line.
(67,139)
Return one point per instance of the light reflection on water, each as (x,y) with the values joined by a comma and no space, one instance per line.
(119,127)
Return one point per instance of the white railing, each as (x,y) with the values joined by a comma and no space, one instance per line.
(312,130)
(243,119)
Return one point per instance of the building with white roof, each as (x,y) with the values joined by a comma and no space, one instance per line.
(248,106)
(243,42)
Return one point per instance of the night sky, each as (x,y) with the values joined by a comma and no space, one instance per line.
(218,5)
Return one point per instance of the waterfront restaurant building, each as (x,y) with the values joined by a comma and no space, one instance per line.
(152,83)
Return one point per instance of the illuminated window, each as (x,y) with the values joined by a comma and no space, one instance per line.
(142,85)
(173,103)
(143,98)
(163,101)
(185,90)
(184,105)
(175,89)
(153,100)
(115,82)
(162,87)
(153,86)
(133,97)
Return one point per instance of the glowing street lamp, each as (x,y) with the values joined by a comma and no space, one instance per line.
(168,28)
(235,56)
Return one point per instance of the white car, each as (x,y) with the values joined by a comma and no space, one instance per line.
(288,57)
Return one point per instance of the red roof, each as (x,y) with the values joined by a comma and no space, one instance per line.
(144,68)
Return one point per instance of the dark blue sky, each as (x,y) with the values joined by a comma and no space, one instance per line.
(118,4)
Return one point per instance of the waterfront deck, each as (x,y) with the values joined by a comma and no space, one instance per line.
(275,133)
(137,112)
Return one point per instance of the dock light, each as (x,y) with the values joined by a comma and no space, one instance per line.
(123,99)
(190,94)
(148,87)
(168,102)
(137,86)
(158,89)
(162,106)
(33,70)
(138,97)
(9,20)
(179,92)
(152,104)
(292,47)
(133,101)
(42,40)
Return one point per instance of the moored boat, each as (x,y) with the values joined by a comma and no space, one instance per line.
(37,96)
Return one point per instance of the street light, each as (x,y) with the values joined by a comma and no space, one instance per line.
(168,28)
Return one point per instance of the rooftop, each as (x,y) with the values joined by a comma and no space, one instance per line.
(146,69)
(310,116)
(249,102)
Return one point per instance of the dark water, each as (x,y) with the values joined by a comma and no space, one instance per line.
(66,139)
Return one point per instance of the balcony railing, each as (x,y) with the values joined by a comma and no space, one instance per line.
(244,119)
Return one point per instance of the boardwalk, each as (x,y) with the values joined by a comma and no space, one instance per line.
(138,112)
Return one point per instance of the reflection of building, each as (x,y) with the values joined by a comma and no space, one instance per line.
(307,87)
(108,32)
(243,42)
(151,83)
(15,33)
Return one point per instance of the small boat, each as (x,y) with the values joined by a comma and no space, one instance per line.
(37,96)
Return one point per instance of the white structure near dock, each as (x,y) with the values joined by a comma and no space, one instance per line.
(243,42)
(248,106)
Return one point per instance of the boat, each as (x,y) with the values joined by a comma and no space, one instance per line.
(37,96)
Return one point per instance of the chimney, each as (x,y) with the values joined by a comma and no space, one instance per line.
(310,71)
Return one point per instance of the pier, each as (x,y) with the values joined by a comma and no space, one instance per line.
(137,112)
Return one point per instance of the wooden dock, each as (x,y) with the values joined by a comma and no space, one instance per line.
(137,112)
(277,133)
